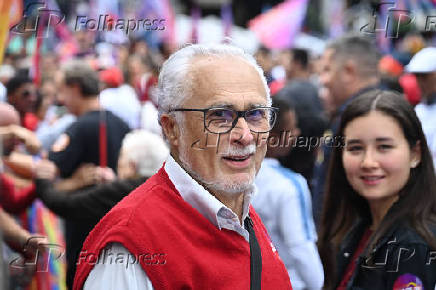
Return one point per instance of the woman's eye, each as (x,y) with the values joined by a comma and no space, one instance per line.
(354,148)
(385,147)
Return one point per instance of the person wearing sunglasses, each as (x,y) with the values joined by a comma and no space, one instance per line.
(21,93)
(191,225)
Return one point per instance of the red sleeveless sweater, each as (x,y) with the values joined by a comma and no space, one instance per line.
(177,246)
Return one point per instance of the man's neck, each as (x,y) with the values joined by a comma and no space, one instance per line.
(371,82)
(357,88)
(88,104)
(235,202)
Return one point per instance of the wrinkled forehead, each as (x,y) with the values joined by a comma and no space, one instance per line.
(226,80)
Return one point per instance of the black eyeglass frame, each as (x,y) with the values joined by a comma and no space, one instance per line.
(239,114)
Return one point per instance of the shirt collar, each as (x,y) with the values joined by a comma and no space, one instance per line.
(271,161)
(202,200)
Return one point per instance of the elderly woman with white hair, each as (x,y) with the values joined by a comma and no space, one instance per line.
(142,154)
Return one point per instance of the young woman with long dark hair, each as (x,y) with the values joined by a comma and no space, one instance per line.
(379,218)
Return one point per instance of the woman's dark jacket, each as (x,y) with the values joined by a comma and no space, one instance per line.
(401,251)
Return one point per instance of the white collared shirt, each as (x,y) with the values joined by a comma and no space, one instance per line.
(121,276)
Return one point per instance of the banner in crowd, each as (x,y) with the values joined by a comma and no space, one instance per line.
(11,11)
(52,270)
(277,28)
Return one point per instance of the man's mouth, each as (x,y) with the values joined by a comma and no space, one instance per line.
(237,158)
(238,161)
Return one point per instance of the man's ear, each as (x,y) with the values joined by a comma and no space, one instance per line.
(133,166)
(170,129)
(349,69)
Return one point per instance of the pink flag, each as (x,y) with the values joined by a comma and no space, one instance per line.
(278,27)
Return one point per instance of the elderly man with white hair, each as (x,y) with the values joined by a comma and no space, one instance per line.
(191,225)
(142,154)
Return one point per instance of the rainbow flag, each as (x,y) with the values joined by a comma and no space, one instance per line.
(277,28)
(52,272)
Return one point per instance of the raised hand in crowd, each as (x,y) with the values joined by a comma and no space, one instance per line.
(20,134)
(87,174)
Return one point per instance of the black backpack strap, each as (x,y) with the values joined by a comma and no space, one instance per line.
(255,257)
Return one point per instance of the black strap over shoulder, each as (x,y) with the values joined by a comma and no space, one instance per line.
(255,257)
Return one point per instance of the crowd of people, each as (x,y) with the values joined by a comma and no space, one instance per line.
(209,168)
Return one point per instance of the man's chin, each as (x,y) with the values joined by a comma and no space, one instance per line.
(232,187)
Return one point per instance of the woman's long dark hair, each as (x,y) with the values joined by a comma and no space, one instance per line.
(343,206)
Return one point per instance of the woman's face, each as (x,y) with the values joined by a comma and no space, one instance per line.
(377,158)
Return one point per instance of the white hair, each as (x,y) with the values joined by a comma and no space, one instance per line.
(146,150)
(174,85)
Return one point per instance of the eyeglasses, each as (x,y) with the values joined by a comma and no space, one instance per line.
(223,120)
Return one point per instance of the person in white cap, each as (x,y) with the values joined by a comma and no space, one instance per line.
(423,66)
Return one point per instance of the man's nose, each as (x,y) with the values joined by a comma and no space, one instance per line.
(241,133)
(324,79)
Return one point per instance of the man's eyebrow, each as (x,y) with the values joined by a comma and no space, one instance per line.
(221,105)
(227,105)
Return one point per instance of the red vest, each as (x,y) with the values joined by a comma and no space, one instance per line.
(178,247)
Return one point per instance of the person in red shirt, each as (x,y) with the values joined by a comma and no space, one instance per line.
(191,225)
